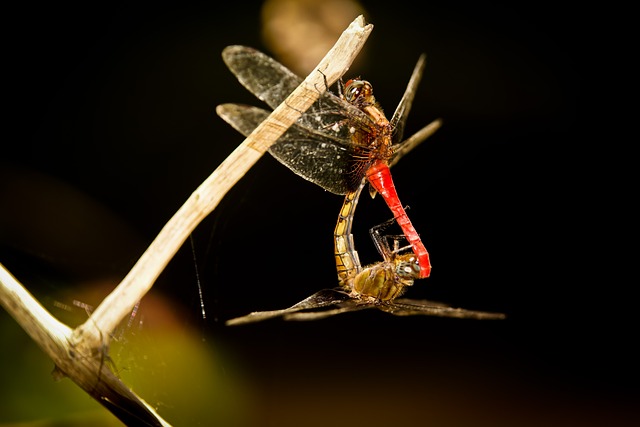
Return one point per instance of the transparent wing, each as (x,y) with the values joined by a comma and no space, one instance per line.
(261,75)
(323,298)
(309,153)
(410,307)
(399,118)
(400,150)
(316,306)
(349,305)
(272,83)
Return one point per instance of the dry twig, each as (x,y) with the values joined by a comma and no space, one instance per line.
(80,353)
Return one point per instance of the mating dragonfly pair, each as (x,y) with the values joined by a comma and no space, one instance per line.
(342,143)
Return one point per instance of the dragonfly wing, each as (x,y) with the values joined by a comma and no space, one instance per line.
(409,307)
(399,118)
(344,307)
(307,152)
(323,298)
(242,118)
(261,75)
(257,316)
(399,150)
(272,83)
(327,165)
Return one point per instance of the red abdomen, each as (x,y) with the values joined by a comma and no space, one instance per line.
(379,177)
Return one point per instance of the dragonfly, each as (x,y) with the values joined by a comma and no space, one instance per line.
(339,141)
(378,285)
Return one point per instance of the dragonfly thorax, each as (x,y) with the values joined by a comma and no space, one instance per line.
(382,282)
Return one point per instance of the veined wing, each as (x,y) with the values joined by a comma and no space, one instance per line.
(403,307)
(331,302)
(272,83)
(411,307)
(400,150)
(261,75)
(347,306)
(313,155)
(399,118)
(321,299)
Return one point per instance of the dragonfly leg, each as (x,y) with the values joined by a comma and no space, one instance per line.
(324,78)
(381,241)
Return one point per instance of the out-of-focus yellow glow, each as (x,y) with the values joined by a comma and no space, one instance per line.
(300,32)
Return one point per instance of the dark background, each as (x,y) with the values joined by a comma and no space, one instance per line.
(110,125)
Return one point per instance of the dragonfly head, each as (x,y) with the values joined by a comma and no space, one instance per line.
(407,267)
(359,93)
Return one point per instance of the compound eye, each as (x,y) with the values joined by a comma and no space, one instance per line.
(353,89)
(409,269)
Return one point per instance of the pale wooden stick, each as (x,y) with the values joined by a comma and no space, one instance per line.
(92,373)
(142,276)
(80,354)
(38,323)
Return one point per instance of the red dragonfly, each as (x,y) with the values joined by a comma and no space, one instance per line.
(376,286)
(339,141)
